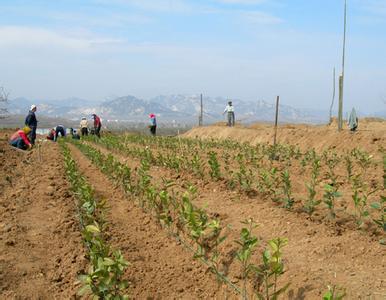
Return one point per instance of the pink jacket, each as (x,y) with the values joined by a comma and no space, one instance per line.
(20,133)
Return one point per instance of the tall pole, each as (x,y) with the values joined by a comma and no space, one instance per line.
(276,119)
(341,78)
(202,112)
(201,115)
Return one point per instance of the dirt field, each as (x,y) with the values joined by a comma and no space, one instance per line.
(41,251)
(370,136)
(41,246)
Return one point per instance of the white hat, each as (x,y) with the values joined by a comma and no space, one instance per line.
(33,106)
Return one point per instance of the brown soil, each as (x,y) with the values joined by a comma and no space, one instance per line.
(319,253)
(41,252)
(371,135)
(160,268)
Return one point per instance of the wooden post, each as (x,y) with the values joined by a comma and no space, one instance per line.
(340,112)
(276,119)
(200,117)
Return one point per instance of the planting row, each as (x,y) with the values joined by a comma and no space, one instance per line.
(173,208)
(104,277)
(174,211)
(301,184)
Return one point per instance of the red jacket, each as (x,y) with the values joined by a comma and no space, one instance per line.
(97,121)
(20,133)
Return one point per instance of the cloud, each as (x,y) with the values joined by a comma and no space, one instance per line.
(168,6)
(29,37)
(103,20)
(258,17)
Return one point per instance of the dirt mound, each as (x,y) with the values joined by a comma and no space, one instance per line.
(41,252)
(371,135)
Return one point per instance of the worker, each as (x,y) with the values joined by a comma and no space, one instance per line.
(153,124)
(20,139)
(97,125)
(51,134)
(74,134)
(353,121)
(231,114)
(84,126)
(60,129)
(32,123)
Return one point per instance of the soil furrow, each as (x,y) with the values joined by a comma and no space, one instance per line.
(40,243)
(159,267)
(317,254)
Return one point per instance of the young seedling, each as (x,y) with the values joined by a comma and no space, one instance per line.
(197,165)
(268,272)
(380,219)
(329,197)
(287,200)
(214,171)
(244,178)
(363,159)
(104,279)
(144,180)
(349,166)
(360,197)
(213,239)
(334,293)
(248,243)
(311,203)
(269,183)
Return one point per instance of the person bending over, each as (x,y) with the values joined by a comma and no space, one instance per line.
(20,139)
(59,130)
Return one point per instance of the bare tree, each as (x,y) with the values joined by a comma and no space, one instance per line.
(3,102)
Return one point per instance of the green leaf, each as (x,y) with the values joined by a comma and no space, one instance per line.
(92,228)
(123,284)
(375,205)
(327,296)
(108,261)
(84,290)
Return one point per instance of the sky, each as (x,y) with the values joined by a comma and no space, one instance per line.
(239,49)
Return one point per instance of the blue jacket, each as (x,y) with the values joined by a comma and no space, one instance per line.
(30,120)
(153,122)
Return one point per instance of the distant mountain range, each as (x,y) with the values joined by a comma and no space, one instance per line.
(181,109)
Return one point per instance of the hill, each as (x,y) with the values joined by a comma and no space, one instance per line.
(170,109)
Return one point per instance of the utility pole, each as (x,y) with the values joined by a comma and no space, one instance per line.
(201,115)
(341,77)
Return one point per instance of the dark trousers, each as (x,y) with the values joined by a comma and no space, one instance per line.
(153,129)
(98,131)
(59,130)
(32,135)
(231,118)
(18,143)
(84,131)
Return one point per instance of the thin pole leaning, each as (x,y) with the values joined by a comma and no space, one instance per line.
(333,95)
(341,86)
